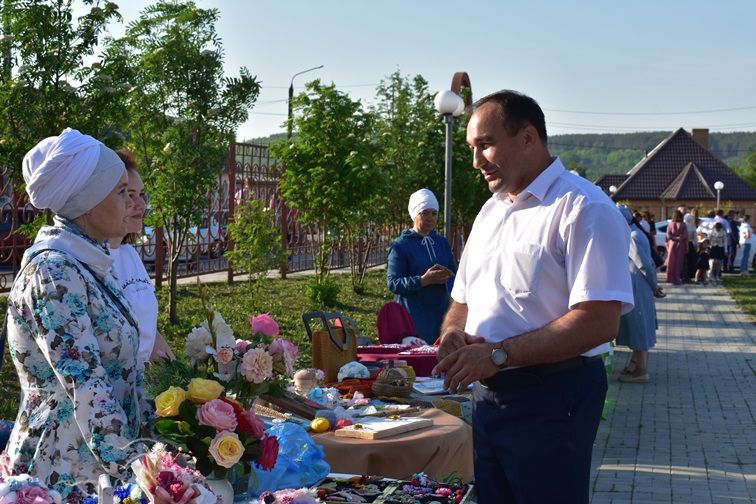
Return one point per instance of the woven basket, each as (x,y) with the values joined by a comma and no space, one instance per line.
(392,382)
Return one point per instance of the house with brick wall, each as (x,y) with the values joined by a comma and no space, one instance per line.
(680,171)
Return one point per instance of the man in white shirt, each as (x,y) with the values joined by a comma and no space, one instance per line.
(542,282)
(746,232)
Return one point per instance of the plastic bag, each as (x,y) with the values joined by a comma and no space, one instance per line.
(301,461)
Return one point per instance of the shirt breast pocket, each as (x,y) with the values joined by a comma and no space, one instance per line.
(520,270)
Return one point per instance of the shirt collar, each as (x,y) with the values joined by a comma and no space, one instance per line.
(543,182)
(540,185)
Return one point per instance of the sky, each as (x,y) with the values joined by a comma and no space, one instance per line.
(594,66)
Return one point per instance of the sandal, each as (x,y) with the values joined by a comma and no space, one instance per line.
(629,370)
(628,378)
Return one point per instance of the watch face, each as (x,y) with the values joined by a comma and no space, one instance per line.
(499,357)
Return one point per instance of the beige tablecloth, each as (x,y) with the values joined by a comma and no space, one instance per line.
(438,451)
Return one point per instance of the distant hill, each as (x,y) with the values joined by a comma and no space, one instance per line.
(601,154)
(605,153)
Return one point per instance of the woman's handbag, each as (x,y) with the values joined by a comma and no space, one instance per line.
(332,346)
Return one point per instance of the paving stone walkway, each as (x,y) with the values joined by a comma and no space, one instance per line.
(689,436)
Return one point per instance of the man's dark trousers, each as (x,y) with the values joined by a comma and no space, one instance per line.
(533,434)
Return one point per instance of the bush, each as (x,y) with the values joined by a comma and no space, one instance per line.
(323,294)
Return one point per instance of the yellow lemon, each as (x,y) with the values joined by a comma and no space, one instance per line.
(320,424)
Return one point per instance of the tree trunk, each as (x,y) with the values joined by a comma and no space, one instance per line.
(172,282)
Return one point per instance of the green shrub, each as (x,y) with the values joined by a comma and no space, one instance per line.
(323,294)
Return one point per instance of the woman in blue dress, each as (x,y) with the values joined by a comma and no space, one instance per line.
(420,262)
(638,327)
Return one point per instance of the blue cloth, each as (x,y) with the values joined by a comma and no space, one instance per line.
(410,256)
(638,328)
(301,461)
(534,426)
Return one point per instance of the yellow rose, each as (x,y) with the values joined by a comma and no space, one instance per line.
(202,391)
(226,449)
(167,404)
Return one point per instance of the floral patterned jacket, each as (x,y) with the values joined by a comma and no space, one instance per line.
(75,352)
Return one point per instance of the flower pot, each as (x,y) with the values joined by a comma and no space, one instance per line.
(222,488)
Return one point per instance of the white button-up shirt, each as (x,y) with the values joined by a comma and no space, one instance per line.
(528,261)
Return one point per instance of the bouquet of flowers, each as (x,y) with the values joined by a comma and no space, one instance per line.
(24,489)
(263,363)
(159,473)
(212,427)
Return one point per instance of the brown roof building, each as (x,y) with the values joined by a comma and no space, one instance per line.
(681,171)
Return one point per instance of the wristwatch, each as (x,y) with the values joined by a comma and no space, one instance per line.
(499,356)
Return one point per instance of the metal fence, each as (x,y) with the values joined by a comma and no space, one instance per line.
(250,173)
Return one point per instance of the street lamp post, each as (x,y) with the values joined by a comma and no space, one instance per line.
(449,105)
(718,185)
(291,96)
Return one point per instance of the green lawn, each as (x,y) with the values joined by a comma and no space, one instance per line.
(284,300)
(743,291)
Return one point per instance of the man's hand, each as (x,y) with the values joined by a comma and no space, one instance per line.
(466,365)
(454,339)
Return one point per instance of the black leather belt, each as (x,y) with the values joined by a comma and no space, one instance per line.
(504,378)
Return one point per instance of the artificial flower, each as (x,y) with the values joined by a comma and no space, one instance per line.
(264,324)
(218,414)
(250,424)
(196,344)
(202,391)
(256,365)
(269,453)
(167,404)
(224,356)
(227,449)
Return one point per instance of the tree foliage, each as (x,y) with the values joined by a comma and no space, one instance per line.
(182,111)
(45,85)
(748,170)
(257,242)
(330,176)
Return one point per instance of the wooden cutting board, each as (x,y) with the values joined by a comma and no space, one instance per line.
(379,428)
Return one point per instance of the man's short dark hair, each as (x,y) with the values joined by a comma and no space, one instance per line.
(517,110)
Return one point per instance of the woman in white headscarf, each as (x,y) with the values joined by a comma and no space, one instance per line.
(420,262)
(71,334)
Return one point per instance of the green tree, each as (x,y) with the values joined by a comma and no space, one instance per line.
(748,170)
(182,112)
(412,140)
(45,85)
(330,174)
(257,242)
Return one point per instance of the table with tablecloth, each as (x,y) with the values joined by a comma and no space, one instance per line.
(439,451)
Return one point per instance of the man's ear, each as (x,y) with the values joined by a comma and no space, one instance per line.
(530,136)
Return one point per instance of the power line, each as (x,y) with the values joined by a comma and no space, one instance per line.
(710,111)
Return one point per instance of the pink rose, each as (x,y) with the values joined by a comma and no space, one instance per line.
(224,355)
(264,324)
(269,453)
(256,365)
(241,345)
(250,424)
(218,414)
(286,350)
(29,494)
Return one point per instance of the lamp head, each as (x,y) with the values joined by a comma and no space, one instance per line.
(448,102)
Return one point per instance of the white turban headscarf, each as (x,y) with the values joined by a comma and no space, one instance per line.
(70,173)
(421,200)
